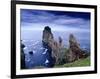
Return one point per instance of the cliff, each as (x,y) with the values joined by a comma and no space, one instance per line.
(75,52)
(49,42)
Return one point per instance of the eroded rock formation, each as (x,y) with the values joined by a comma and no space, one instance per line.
(49,42)
(47,35)
(75,52)
(22,57)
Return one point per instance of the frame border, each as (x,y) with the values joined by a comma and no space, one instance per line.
(13,38)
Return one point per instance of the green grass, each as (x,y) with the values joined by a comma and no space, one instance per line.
(77,63)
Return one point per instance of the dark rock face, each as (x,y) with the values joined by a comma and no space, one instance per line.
(55,50)
(46,38)
(52,45)
(47,35)
(60,41)
(75,52)
(22,57)
(31,53)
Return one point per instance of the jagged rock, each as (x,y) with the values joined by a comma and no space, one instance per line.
(22,57)
(75,52)
(46,39)
(49,43)
(31,52)
(60,41)
(55,50)
(47,35)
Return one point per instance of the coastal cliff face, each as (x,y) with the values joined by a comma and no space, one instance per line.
(55,47)
(22,57)
(48,41)
(47,35)
(51,52)
(75,52)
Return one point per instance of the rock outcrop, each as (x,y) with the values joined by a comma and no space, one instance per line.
(47,35)
(60,41)
(49,43)
(75,52)
(22,57)
(55,50)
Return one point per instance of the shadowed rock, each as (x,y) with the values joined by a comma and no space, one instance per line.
(22,57)
(46,38)
(49,43)
(60,41)
(47,35)
(75,52)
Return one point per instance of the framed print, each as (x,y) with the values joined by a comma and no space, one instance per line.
(52,39)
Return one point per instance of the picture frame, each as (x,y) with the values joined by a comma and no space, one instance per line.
(52,14)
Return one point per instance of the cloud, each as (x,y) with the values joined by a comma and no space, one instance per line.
(69,21)
(61,23)
(36,16)
(58,21)
(49,17)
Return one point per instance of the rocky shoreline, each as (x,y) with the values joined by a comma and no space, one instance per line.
(57,54)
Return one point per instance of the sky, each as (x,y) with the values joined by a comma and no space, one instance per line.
(37,19)
(62,23)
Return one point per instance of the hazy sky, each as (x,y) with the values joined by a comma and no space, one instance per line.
(57,20)
(62,24)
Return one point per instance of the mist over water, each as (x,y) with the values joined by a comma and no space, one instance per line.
(32,37)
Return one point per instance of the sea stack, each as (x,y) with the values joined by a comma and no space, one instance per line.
(47,36)
(49,43)
(75,52)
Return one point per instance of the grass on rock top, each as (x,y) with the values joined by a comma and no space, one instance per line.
(77,63)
